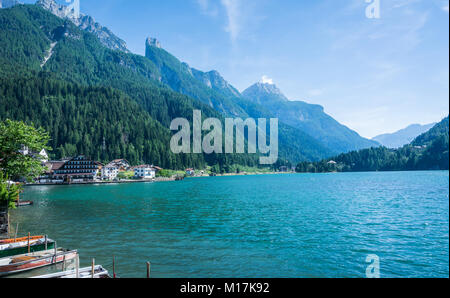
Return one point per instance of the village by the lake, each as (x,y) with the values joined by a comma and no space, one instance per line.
(218,139)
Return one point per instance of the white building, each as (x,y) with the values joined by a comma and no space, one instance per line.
(145,172)
(110,172)
(24,150)
(44,156)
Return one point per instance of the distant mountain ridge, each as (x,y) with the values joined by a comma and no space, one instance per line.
(309,118)
(404,136)
(429,151)
(264,94)
(211,88)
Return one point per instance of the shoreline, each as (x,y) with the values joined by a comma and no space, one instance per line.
(103,182)
(244,174)
(160,179)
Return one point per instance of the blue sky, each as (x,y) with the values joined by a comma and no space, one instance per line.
(374,75)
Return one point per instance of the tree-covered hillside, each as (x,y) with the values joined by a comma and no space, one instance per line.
(27,33)
(180,78)
(100,122)
(430,151)
(440,130)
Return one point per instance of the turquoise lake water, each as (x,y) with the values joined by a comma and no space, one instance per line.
(305,225)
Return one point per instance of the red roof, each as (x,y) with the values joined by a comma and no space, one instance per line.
(120,160)
(143,166)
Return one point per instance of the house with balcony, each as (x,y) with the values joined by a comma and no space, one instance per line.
(78,169)
(144,172)
(110,171)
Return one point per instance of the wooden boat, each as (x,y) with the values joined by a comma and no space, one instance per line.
(24,203)
(26,262)
(15,247)
(99,272)
(14,240)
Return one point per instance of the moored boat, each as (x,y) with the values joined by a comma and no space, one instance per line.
(26,262)
(14,240)
(99,272)
(24,203)
(19,246)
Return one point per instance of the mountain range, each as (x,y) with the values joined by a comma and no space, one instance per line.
(404,136)
(212,89)
(40,44)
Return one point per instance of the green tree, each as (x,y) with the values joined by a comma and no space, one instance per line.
(15,135)
(9,192)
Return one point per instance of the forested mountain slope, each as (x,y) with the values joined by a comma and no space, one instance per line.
(27,33)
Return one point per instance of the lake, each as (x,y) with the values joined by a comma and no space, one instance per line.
(299,225)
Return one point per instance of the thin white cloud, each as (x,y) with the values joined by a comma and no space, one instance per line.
(232,8)
(266,80)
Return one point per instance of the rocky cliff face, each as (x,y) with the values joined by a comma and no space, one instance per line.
(8,3)
(153,42)
(86,23)
(214,80)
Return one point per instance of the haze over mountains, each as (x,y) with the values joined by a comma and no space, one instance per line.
(403,136)
(86,53)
